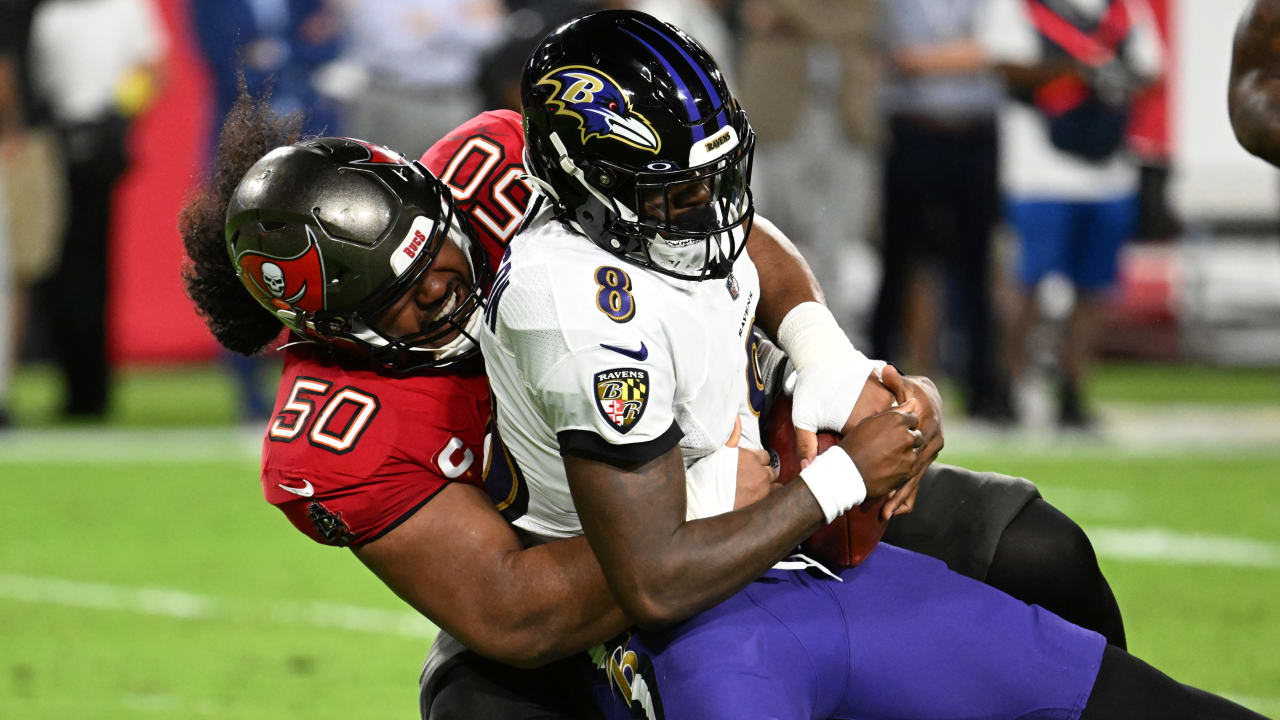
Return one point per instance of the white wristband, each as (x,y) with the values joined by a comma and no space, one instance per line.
(835,482)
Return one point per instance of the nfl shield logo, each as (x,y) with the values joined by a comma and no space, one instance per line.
(732,284)
(621,396)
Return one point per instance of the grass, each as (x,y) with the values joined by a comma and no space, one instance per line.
(1211,626)
(1158,384)
(201,528)
(181,396)
(200,396)
(199,525)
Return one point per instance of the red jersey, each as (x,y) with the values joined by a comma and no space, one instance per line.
(350,454)
(482,162)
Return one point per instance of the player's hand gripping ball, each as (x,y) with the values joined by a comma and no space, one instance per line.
(851,537)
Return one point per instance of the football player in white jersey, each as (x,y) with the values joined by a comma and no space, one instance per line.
(616,344)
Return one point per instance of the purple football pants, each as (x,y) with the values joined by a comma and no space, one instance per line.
(902,638)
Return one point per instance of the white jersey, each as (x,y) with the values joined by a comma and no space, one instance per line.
(590,354)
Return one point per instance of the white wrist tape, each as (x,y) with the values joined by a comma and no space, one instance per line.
(821,353)
(811,336)
(835,482)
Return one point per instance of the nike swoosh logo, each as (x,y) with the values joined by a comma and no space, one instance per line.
(305,491)
(640,354)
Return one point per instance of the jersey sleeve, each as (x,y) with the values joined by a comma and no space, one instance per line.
(607,393)
(353,510)
(482,162)
(350,455)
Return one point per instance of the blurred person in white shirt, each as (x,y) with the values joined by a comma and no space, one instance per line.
(1073,68)
(98,63)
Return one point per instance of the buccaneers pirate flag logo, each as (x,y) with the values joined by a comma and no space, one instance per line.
(621,396)
(286,283)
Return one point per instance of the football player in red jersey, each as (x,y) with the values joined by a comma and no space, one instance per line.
(358,446)
(364,450)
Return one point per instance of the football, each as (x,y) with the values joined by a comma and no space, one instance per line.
(851,538)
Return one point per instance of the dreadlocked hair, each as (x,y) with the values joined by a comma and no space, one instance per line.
(235,318)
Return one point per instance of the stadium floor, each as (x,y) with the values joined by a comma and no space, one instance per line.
(141,575)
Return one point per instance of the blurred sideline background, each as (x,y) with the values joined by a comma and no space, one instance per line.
(142,575)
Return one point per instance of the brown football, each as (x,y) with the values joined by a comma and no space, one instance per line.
(851,538)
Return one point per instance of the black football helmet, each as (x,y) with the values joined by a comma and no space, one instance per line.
(630,127)
(327,233)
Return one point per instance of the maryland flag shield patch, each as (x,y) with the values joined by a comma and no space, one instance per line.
(621,396)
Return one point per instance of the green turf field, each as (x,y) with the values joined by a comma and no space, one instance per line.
(142,576)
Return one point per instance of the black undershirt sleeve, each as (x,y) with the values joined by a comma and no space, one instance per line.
(589,445)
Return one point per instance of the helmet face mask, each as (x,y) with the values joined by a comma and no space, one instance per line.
(449,335)
(633,131)
(329,234)
(693,223)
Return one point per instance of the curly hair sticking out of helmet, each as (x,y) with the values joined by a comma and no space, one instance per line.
(234,317)
(346,243)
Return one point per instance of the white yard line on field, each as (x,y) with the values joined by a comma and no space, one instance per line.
(1144,544)
(1155,545)
(128,445)
(1133,431)
(1127,430)
(1158,545)
(171,705)
(173,603)
(1269,706)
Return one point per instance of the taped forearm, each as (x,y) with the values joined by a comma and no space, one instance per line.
(813,340)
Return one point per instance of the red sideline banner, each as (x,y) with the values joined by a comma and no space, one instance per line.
(149,317)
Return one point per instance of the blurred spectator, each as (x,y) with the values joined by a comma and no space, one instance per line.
(940,195)
(32,187)
(702,20)
(279,44)
(807,75)
(98,63)
(1075,66)
(498,75)
(498,81)
(419,60)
